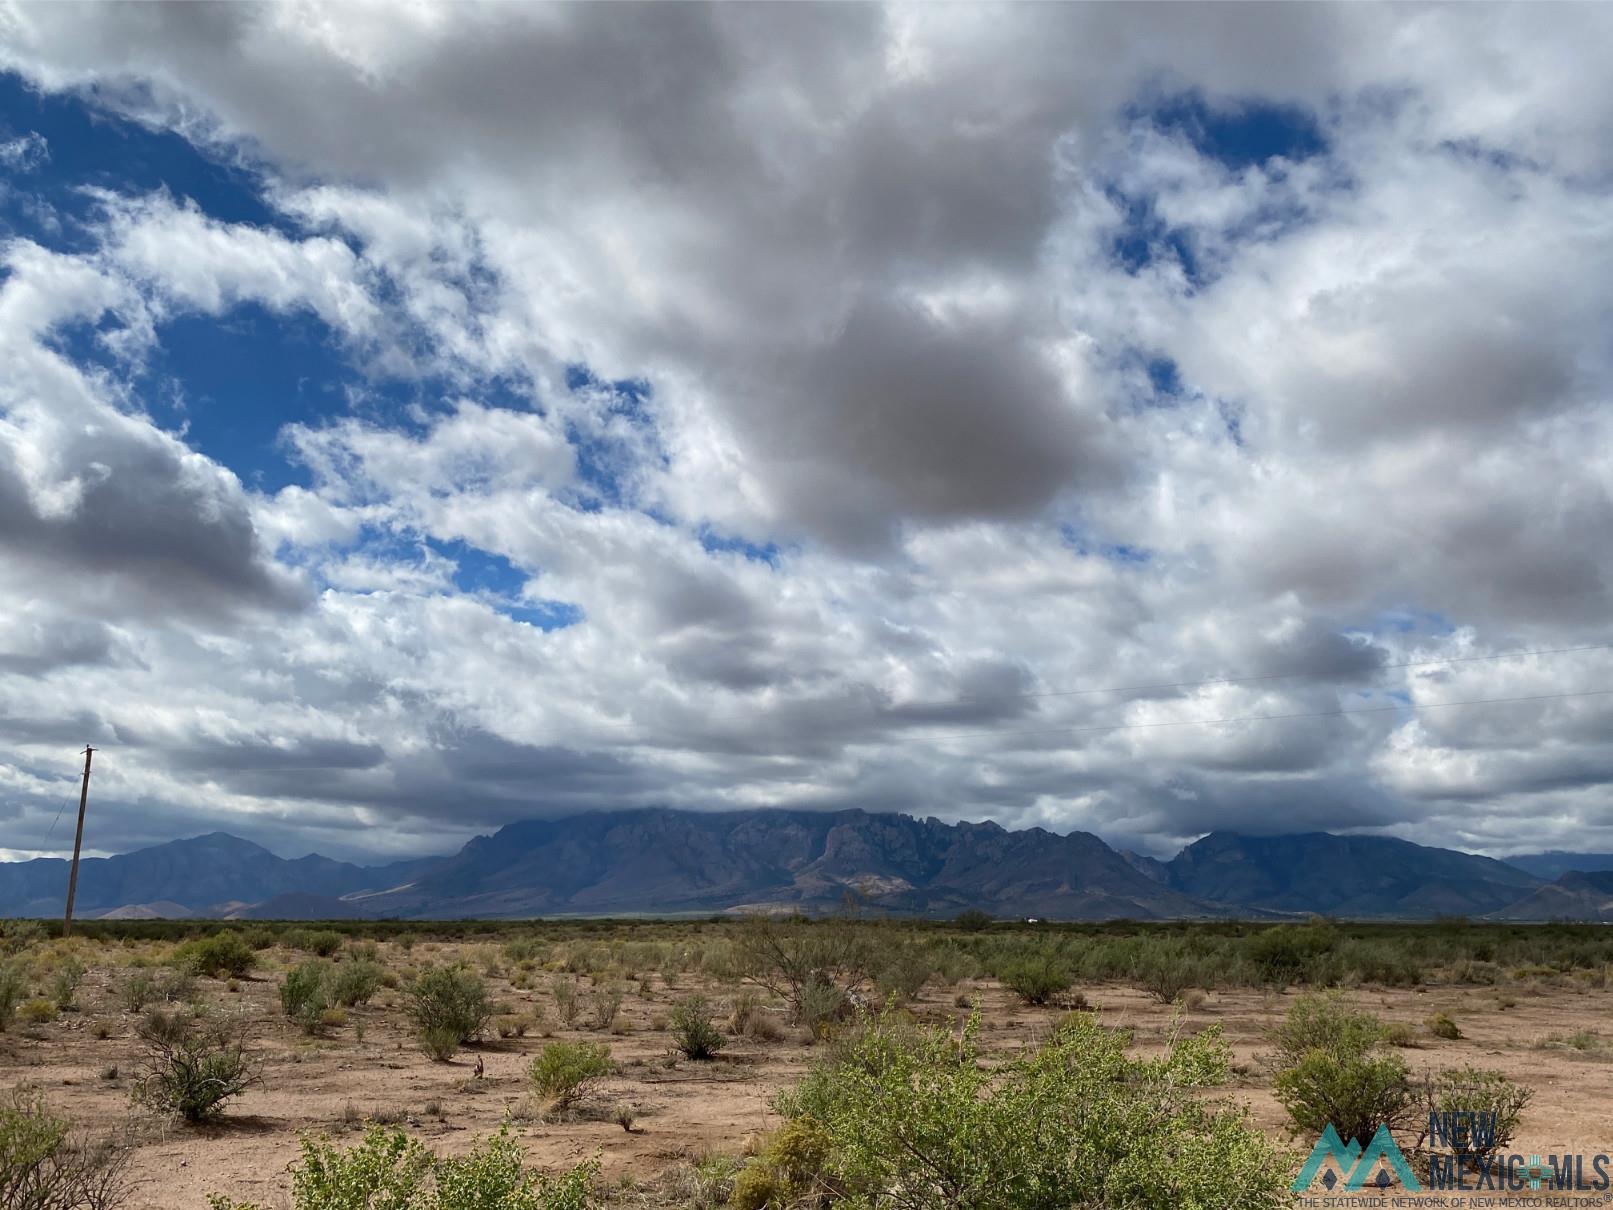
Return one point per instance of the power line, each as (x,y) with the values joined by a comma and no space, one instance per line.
(1275,676)
(1409,707)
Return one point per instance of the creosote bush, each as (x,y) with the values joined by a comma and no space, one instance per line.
(13,988)
(449,1007)
(303,994)
(1036,978)
(387,1170)
(193,1065)
(1461,1096)
(563,1073)
(45,1166)
(904,1116)
(221,955)
(693,1032)
(1332,1068)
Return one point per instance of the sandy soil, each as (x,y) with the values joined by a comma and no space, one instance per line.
(686,1109)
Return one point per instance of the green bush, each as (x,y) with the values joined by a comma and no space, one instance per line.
(13,988)
(818,1004)
(1166,977)
(440,1042)
(1036,978)
(192,1068)
(222,954)
(64,983)
(1325,1020)
(1285,953)
(692,1030)
(787,1170)
(18,935)
(386,1170)
(449,1002)
(910,1117)
(1331,1069)
(563,1073)
(903,974)
(304,994)
(491,1177)
(1488,1095)
(321,942)
(1441,1026)
(43,1166)
(353,983)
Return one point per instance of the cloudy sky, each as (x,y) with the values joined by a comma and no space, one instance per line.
(420,417)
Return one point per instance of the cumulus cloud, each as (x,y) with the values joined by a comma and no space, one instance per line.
(831,405)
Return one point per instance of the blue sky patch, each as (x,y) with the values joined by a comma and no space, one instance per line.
(92,149)
(1242,133)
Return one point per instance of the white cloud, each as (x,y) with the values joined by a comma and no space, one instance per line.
(863,263)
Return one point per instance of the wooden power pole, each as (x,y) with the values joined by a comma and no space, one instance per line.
(78,843)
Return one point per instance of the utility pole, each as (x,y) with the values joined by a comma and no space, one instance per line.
(78,843)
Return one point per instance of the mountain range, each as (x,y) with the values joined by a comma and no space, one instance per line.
(661,861)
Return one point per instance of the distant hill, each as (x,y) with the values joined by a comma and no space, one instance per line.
(1353,876)
(685,861)
(659,861)
(1577,895)
(198,875)
(1554,864)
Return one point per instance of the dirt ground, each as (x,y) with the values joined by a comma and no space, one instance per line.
(685,1109)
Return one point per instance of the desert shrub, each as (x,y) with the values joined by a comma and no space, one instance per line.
(972,920)
(321,942)
(64,981)
(692,1030)
(387,1170)
(223,954)
(563,1073)
(742,1006)
(524,949)
(909,1117)
(605,1003)
(18,935)
(384,1169)
(904,974)
(1036,978)
(192,1070)
(796,959)
(565,1000)
(44,1166)
(706,1183)
(788,1170)
(1324,1020)
(818,1005)
(440,1042)
(1284,953)
(38,1011)
(1441,1026)
(353,983)
(170,1024)
(303,993)
(13,987)
(1488,1096)
(449,1001)
(139,990)
(491,1177)
(1331,1068)
(1356,1094)
(1166,976)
